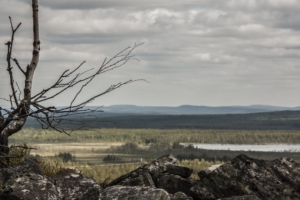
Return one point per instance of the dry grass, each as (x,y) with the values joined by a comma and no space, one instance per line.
(107,173)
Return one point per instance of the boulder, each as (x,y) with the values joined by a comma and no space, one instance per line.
(242,178)
(76,186)
(138,177)
(173,183)
(30,165)
(29,186)
(143,176)
(134,193)
(245,197)
(200,192)
(277,179)
(203,173)
(180,196)
(178,170)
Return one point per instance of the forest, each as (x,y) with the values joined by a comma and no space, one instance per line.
(279,120)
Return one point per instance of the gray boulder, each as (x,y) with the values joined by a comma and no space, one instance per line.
(134,193)
(180,196)
(28,187)
(173,183)
(205,172)
(138,177)
(76,186)
(242,178)
(160,173)
(277,179)
(178,170)
(245,197)
(30,165)
(143,176)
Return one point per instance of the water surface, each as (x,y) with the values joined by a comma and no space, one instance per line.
(250,147)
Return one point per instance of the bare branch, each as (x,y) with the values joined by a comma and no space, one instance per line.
(5,99)
(20,93)
(17,118)
(20,68)
(1,119)
(62,119)
(8,58)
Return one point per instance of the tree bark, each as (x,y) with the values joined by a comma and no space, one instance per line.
(24,107)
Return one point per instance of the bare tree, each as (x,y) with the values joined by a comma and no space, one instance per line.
(12,120)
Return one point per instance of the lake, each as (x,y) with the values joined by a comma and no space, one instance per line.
(249,147)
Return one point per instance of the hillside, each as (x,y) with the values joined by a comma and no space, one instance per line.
(281,120)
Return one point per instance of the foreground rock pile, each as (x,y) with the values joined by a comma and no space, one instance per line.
(241,178)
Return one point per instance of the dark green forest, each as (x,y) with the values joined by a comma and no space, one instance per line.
(282,120)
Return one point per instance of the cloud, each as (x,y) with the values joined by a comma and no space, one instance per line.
(206,52)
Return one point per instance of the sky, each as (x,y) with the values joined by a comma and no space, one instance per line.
(196,52)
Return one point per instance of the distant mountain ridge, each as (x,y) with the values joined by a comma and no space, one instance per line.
(116,110)
(193,110)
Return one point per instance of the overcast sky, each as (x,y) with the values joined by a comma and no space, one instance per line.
(198,52)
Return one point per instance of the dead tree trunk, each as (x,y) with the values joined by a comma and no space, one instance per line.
(12,120)
(19,113)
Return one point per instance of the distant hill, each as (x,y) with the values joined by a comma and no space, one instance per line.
(279,120)
(255,117)
(121,110)
(192,110)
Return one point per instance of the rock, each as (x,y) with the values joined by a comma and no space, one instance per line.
(76,186)
(134,193)
(242,178)
(277,179)
(203,173)
(138,177)
(246,197)
(180,196)
(161,173)
(28,166)
(178,170)
(29,186)
(160,164)
(142,176)
(173,183)
(200,192)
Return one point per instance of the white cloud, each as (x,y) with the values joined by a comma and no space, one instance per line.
(203,56)
(251,28)
(202,52)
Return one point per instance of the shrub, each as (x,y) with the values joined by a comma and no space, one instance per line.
(66,157)
(129,147)
(111,158)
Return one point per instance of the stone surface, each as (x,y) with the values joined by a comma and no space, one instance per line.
(246,197)
(180,196)
(138,177)
(160,164)
(30,165)
(76,186)
(134,193)
(161,173)
(173,183)
(142,176)
(178,170)
(203,173)
(277,179)
(199,191)
(242,178)
(28,187)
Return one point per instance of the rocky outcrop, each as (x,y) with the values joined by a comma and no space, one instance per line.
(134,193)
(76,186)
(29,186)
(242,178)
(277,179)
